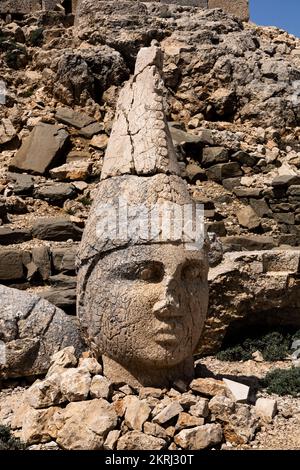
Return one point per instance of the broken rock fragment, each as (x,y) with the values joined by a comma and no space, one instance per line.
(41,149)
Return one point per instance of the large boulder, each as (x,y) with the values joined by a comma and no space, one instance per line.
(252,289)
(31,330)
(86,73)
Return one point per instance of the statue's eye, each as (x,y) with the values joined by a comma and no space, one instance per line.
(192,272)
(147,274)
(146,271)
(151,273)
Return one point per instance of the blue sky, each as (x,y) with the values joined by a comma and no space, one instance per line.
(284,14)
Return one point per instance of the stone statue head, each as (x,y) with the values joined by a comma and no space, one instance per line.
(142,279)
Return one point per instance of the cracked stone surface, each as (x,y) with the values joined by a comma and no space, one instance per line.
(140,141)
(31,330)
(142,292)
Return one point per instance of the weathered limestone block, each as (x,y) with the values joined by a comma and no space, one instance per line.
(238,8)
(169,412)
(41,149)
(75,384)
(266,409)
(20,6)
(137,412)
(40,425)
(31,330)
(11,265)
(200,437)
(86,425)
(100,387)
(252,288)
(45,393)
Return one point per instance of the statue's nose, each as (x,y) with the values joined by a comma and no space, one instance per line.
(168,305)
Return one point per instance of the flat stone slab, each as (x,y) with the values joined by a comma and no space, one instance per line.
(91,129)
(239,391)
(73,118)
(286,180)
(40,150)
(9,236)
(11,266)
(56,229)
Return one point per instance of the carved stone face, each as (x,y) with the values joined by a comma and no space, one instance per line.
(146,305)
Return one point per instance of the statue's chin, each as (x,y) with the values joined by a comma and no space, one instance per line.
(163,358)
(148,374)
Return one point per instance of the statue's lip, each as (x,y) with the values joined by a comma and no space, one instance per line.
(165,338)
(170,327)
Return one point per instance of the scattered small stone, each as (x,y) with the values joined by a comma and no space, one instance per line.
(135,440)
(248,218)
(266,408)
(75,170)
(222,407)
(99,141)
(168,413)
(73,118)
(137,412)
(155,430)
(185,420)
(257,356)
(239,391)
(111,440)
(199,437)
(126,389)
(45,393)
(200,409)
(209,387)
(75,384)
(90,364)
(92,129)
(146,392)
(100,387)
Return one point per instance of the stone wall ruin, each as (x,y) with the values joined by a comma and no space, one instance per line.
(239,8)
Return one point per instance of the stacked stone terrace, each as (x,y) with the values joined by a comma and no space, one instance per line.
(238,7)
(28,6)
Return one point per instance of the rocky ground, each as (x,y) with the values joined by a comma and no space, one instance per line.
(282,433)
(57,412)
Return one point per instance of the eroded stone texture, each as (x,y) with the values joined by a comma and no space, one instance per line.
(140,141)
(142,291)
(31,330)
(238,8)
(262,289)
(41,149)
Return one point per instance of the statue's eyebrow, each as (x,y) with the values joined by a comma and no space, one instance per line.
(131,265)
